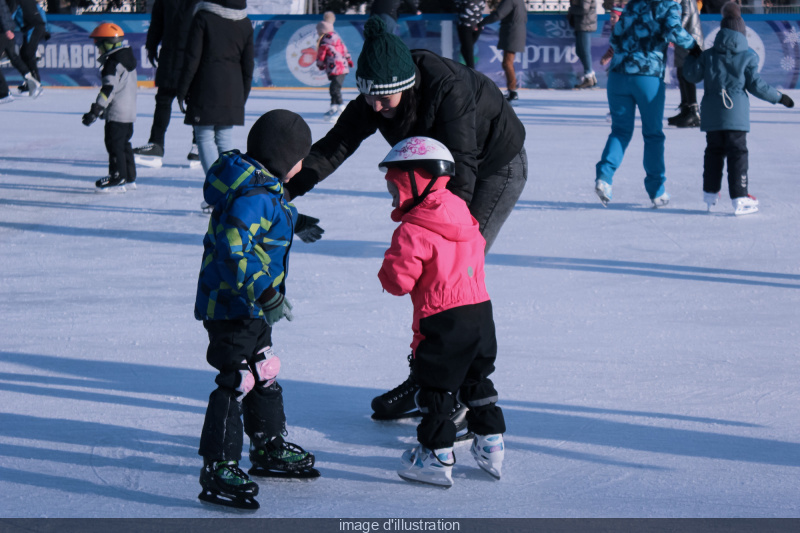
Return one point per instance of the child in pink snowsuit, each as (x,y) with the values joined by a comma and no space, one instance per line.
(335,60)
(437,256)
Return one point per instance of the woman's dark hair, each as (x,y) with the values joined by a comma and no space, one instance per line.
(407,111)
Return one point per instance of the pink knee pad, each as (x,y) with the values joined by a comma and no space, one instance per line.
(246,383)
(267,369)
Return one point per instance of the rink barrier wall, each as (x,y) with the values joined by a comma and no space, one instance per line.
(285,49)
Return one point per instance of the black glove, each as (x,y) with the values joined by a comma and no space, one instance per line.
(181,105)
(47,36)
(785,100)
(695,50)
(307,229)
(95,113)
(152,57)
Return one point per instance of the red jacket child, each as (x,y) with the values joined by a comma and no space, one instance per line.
(436,256)
(332,54)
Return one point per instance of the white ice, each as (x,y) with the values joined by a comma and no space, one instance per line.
(648,359)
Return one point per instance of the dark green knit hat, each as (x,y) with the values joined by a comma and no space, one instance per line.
(384,65)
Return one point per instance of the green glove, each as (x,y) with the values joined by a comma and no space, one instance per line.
(275,306)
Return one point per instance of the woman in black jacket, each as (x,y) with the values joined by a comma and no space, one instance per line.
(217,73)
(418,93)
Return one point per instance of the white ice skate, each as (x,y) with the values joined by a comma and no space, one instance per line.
(603,190)
(332,115)
(710,198)
(434,467)
(194,157)
(489,452)
(661,201)
(745,205)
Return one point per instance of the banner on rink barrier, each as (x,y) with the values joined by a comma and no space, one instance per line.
(285,49)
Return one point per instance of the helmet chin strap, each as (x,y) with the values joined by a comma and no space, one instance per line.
(418,198)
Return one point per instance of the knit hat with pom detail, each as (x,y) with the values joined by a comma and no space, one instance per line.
(279,140)
(732,18)
(384,65)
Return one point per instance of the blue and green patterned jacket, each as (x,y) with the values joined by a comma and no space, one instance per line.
(641,37)
(248,239)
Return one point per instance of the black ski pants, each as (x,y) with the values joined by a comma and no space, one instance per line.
(722,145)
(28,49)
(233,347)
(467,37)
(456,358)
(336,89)
(7,47)
(120,154)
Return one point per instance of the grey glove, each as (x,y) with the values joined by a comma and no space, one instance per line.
(275,306)
(307,228)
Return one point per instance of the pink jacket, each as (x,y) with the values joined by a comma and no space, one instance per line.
(436,255)
(332,55)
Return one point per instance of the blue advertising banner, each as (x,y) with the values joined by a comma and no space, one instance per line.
(285,47)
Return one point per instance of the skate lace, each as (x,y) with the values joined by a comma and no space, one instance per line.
(231,471)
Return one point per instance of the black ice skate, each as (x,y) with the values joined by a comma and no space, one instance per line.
(149,155)
(399,402)
(280,459)
(111,183)
(689,117)
(194,157)
(224,483)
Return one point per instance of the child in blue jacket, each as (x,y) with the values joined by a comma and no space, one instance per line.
(729,70)
(240,296)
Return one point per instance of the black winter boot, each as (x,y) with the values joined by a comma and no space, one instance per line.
(690,118)
(398,402)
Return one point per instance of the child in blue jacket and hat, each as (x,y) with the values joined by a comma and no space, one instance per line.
(728,70)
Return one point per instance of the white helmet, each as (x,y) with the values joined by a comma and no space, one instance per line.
(420,152)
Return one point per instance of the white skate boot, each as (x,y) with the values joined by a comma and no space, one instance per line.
(661,201)
(603,190)
(745,205)
(710,198)
(434,467)
(489,451)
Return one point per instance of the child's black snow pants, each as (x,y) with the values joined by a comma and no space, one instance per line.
(730,145)
(456,358)
(120,154)
(233,350)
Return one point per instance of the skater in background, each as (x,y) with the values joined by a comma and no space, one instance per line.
(335,60)
(406,93)
(582,17)
(7,47)
(729,71)
(613,16)
(32,22)
(513,17)
(216,76)
(470,13)
(388,10)
(689,114)
(169,29)
(636,79)
(436,256)
(116,103)
(241,294)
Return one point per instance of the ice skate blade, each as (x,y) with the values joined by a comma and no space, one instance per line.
(308,473)
(468,436)
(111,190)
(745,211)
(407,475)
(489,470)
(402,416)
(243,504)
(148,161)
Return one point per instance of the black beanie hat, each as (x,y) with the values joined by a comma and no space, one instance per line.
(384,65)
(732,18)
(278,140)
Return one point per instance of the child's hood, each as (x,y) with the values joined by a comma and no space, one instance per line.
(730,41)
(124,56)
(444,213)
(234,172)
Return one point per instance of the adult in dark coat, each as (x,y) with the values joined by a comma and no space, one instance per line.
(7,47)
(169,29)
(582,17)
(513,17)
(418,93)
(217,73)
(470,13)
(31,21)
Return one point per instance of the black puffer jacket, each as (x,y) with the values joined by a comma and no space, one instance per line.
(456,105)
(218,67)
(169,26)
